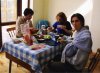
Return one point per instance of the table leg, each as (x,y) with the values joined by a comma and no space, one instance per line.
(10,64)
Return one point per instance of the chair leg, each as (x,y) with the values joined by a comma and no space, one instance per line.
(94,66)
(10,64)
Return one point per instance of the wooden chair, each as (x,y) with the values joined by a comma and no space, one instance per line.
(93,62)
(11,32)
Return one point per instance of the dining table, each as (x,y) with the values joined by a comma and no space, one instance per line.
(28,57)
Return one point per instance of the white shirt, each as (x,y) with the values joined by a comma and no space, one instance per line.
(21,20)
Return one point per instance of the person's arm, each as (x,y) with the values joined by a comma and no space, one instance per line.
(84,43)
(67,28)
(63,27)
(18,28)
(52,28)
(30,24)
(81,56)
(67,31)
(55,26)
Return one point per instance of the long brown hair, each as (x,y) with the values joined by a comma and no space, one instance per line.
(63,17)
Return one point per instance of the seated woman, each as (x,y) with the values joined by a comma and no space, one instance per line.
(62,26)
(26,19)
(76,53)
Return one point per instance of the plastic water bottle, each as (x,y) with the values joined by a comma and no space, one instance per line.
(44,30)
(43,27)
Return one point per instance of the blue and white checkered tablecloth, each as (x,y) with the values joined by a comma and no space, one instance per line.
(35,58)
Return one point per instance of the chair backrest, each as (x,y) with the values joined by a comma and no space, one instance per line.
(42,22)
(11,32)
(94,61)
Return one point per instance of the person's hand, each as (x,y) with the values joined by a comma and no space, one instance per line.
(49,29)
(61,40)
(33,30)
(61,26)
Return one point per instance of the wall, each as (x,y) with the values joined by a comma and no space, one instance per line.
(38,9)
(95,28)
(52,7)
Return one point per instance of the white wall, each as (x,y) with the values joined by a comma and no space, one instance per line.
(47,9)
(38,10)
(52,7)
(95,27)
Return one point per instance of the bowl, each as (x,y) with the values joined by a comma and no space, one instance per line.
(40,40)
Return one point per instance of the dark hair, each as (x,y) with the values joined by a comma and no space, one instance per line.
(86,26)
(28,11)
(80,17)
(62,16)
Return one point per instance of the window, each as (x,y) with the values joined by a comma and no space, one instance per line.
(27,3)
(31,4)
(24,5)
(8,14)
(8,10)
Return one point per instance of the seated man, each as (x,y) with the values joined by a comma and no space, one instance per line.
(75,54)
(24,20)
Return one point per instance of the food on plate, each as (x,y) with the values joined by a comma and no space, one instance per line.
(47,37)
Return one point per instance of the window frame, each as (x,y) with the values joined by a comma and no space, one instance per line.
(19,5)
(19,13)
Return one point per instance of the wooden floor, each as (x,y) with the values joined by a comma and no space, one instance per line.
(4,66)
